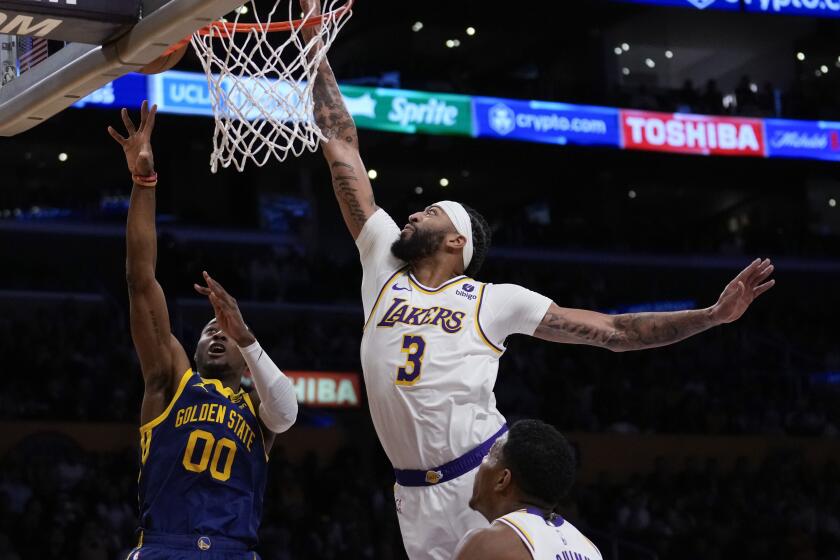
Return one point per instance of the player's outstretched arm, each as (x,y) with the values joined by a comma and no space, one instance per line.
(162,359)
(349,176)
(639,331)
(275,398)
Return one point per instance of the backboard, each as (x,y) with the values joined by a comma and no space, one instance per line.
(104,39)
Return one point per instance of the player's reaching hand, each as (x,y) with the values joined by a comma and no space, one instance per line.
(742,291)
(228,316)
(138,145)
(311,8)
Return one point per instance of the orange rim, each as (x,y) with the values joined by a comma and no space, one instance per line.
(227,27)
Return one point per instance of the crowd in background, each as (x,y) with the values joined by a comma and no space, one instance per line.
(748,99)
(759,375)
(809,99)
(59,502)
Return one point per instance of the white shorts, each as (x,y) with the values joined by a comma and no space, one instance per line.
(434,519)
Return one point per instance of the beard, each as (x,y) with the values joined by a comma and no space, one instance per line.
(215,369)
(418,246)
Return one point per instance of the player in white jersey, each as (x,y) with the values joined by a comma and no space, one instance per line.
(434,335)
(517,488)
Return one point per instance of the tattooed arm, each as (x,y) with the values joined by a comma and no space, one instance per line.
(162,358)
(619,333)
(639,331)
(349,176)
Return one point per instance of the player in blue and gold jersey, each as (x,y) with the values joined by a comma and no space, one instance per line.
(204,441)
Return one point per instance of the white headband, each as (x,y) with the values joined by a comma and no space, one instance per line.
(463,225)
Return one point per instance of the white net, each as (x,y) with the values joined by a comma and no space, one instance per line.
(261,82)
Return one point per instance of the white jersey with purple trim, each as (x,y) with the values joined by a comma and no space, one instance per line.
(554,539)
(430,355)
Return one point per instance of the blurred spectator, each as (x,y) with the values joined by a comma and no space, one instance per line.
(312,509)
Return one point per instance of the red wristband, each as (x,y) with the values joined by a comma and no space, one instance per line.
(145,181)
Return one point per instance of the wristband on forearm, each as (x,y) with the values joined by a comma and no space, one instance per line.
(145,180)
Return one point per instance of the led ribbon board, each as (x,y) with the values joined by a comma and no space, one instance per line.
(728,5)
(81,21)
(812,8)
(411,112)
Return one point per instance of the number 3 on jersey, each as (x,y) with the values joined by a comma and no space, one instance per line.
(413,347)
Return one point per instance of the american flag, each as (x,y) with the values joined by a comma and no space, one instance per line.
(31,51)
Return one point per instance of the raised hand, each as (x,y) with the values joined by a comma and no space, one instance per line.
(228,316)
(742,291)
(311,9)
(138,146)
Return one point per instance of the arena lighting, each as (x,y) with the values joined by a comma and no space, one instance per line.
(62,157)
(800,56)
(625,71)
(631,193)
(669,54)
(832,202)
(418,25)
(729,100)
(650,63)
(817,73)
(373,174)
(444,182)
(618,50)
(824,69)
(470,31)
(754,88)
(625,47)
(418,190)
(450,43)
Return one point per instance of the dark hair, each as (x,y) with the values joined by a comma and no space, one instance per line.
(481,240)
(541,461)
(247,326)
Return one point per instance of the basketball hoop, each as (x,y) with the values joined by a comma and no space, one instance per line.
(262,92)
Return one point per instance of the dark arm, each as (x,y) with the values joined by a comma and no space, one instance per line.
(349,176)
(620,333)
(150,328)
(162,358)
(639,331)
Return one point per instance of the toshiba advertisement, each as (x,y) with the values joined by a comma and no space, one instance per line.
(692,134)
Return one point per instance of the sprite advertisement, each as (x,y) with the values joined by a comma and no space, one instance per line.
(398,110)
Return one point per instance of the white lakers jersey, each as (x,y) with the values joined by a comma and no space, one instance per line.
(430,355)
(554,539)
